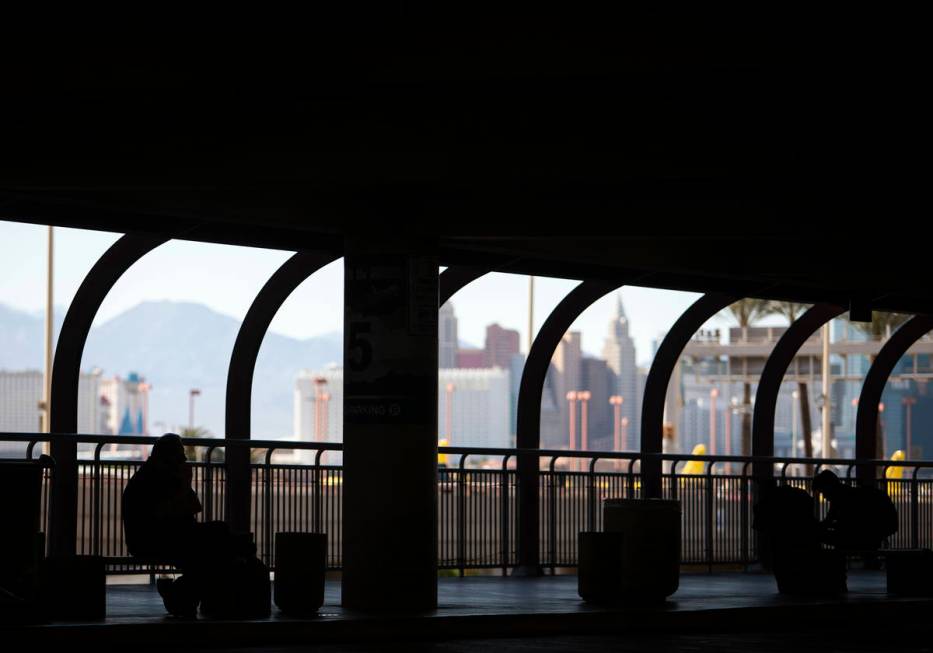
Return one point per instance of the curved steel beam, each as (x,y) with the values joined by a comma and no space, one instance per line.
(252,331)
(456,277)
(866,418)
(769,385)
(652,411)
(238,413)
(66,373)
(528,426)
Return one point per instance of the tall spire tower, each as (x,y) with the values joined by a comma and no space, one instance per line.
(619,354)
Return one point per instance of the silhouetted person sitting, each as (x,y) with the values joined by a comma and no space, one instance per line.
(859,518)
(159,508)
(784,517)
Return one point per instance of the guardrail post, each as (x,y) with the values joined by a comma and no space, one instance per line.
(318,493)
(709,515)
(674,483)
(914,510)
(552,515)
(97,522)
(746,556)
(267,507)
(461,515)
(592,493)
(504,516)
(631,478)
(209,485)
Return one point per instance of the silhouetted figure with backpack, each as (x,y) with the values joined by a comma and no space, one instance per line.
(784,517)
(859,517)
(160,524)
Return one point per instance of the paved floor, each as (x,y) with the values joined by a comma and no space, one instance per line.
(489,595)
(535,613)
(811,641)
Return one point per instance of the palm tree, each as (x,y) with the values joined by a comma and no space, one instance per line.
(746,312)
(793,310)
(193,432)
(880,328)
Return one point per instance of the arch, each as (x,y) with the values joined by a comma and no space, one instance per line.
(652,412)
(66,373)
(528,427)
(238,408)
(769,385)
(456,277)
(866,417)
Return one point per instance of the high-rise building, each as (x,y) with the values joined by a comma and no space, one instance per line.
(21,392)
(600,382)
(565,372)
(479,407)
(126,404)
(567,362)
(501,345)
(619,354)
(447,343)
(516,368)
(469,358)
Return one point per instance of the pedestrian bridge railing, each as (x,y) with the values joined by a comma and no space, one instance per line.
(298,486)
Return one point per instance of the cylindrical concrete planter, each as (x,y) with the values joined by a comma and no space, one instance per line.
(300,565)
(73,587)
(599,576)
(650,531)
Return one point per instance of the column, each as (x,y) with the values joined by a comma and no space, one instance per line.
(390,426)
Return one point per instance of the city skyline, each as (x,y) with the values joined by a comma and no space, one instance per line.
(692,419)
(226,278)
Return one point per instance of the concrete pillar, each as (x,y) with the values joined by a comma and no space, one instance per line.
(390,426)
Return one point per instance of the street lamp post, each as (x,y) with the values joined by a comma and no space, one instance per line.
(616,402)
(731,409)
(192,393)
(909,401)
(572,426)
(881,434)
(449,410)
(325,401)
(584,398)
(713,393)
(320,383)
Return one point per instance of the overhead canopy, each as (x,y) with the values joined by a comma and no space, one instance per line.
(725,159)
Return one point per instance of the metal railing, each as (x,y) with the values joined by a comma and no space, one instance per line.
(477,519)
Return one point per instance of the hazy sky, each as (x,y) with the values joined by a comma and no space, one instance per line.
(227,278)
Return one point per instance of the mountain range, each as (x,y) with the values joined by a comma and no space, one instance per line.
(177,346)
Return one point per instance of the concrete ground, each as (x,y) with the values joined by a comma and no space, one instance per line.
(724,611)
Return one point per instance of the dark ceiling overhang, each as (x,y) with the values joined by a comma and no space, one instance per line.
(694,159)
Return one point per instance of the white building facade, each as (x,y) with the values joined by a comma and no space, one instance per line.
(21,393)
(480,409)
